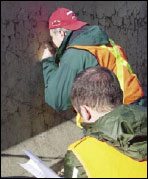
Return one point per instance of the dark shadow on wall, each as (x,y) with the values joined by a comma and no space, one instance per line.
(32,126)
(145,91)
(26,157)
(24,113)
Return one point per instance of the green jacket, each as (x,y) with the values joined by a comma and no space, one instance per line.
(125,128)
(58,80)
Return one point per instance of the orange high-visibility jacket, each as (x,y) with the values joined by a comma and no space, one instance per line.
(113,57)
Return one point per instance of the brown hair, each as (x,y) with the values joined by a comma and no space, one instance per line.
(98,88)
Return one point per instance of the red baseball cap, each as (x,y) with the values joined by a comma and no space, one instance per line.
(65,18)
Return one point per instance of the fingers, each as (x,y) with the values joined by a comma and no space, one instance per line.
(46,45)
(46,53)
(46,50)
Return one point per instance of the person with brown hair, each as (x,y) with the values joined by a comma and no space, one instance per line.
(115,145)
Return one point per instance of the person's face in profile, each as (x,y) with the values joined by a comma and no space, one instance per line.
(57,37)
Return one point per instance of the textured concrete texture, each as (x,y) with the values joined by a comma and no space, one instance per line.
(24,28)
(49,146)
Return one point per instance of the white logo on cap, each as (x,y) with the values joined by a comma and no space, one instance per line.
(56,22)
(71,12)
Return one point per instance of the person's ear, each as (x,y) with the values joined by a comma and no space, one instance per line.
(85,113)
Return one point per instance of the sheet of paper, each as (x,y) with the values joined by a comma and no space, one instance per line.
(37,168)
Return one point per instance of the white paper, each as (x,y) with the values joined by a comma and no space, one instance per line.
(37,168)
(75,173)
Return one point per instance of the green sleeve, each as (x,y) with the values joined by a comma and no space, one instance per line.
(70,164)
(58,80)
(49,68)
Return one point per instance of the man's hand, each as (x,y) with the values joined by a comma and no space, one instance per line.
(46,53)
(46,50)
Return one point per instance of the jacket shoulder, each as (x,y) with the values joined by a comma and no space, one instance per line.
(75,144)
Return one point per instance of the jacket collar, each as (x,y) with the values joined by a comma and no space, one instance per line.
(87,35)
(63,46)
(124,128)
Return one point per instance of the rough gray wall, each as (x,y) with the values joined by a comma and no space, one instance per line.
(24,29)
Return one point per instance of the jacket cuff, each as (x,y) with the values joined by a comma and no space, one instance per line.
(48,59)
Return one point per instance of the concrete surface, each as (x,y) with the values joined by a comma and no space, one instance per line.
(49,146)
(24,28)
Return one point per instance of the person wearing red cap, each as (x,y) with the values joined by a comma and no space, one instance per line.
(76,41)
